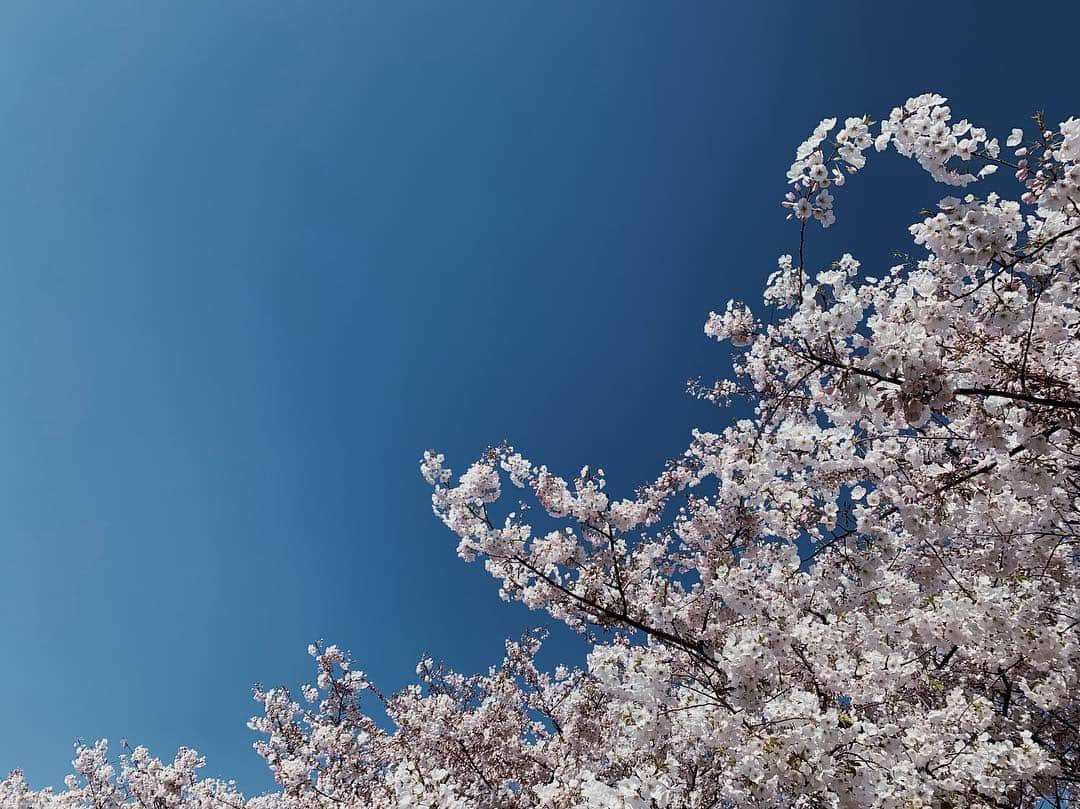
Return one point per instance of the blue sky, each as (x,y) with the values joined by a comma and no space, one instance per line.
(255,257)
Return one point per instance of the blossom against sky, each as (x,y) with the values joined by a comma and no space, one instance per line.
(255,261)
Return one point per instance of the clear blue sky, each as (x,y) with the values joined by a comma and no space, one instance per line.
(255,257)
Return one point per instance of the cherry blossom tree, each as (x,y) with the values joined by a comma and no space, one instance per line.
(865,594)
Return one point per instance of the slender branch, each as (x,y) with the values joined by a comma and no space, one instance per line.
(1046,401)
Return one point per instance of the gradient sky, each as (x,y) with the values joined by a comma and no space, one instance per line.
(255,257)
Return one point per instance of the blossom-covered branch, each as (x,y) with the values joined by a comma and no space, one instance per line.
(865,594)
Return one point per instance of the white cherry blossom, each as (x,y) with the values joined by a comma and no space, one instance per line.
(864,594)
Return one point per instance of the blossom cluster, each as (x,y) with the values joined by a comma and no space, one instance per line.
(864,594)
(813,172)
